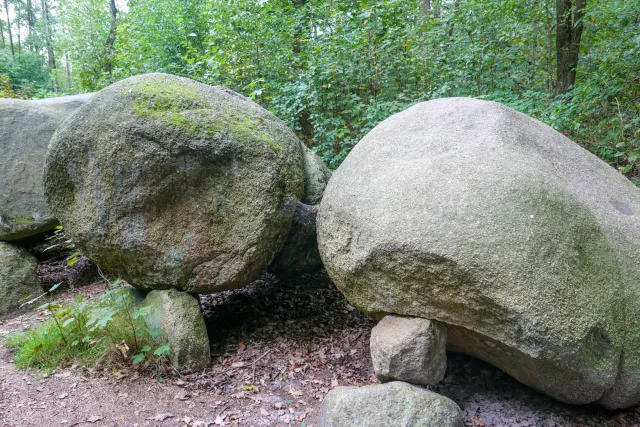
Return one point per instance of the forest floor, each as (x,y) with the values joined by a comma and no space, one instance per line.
(278,347)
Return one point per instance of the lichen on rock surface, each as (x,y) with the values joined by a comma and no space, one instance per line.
(171,183)
(523,243)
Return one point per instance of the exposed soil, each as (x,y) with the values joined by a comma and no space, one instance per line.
(278,347)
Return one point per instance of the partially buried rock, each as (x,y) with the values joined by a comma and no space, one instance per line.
(523,243)
(177,315)
(18,281)
(26,127)
(394,404)
(170,183)
(409,349)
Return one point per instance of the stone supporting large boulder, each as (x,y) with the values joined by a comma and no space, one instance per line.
(409,349)
(299,253)
(18,280)
(523,243)
(171,183)
(390,405)
(178,316)
(317,176)
(26,127)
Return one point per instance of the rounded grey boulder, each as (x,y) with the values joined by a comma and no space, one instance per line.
(171,183)
(26,127)
(394,404)
(523,243)
(18,280)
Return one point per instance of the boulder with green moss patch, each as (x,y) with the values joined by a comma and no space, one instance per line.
(524,244)
(26,127)
(18,280)
(171,183)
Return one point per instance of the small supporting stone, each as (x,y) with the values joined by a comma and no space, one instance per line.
(177,314)
(409,349)
(392,404)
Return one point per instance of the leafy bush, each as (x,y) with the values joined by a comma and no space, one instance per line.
(107,332)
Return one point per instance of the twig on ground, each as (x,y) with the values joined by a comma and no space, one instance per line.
(253,375)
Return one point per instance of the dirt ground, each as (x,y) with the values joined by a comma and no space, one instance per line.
(278,347)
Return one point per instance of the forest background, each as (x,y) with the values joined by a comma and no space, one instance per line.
(334,69)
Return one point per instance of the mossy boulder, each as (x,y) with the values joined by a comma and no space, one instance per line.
(170,183)
(177,316)
(523,243)
(394,404)
(18,280)
(26,127)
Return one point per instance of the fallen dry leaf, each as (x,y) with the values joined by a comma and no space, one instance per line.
(94,419)
(295,392)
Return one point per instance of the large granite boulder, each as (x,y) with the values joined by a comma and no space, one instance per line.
(26,128)
(523,243)
(18,280)
(394,404)
(171,183)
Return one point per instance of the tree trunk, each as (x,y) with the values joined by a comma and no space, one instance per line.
(426,6)
(68,67)
(569,26)
(31,23)
(19,40)
(49,42)
(6,9)
(4,44)
(111,38)
(304,117)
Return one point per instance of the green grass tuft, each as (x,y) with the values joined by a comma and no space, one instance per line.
(109,332)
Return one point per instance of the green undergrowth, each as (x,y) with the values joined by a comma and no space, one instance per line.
(101,334)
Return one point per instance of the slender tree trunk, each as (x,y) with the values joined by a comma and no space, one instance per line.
(569,26)
(4,44)
(68,67)
(49,42)
(6,9)
(31,23)
(111,38)
(304,117)
(426,6)
(19,40)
